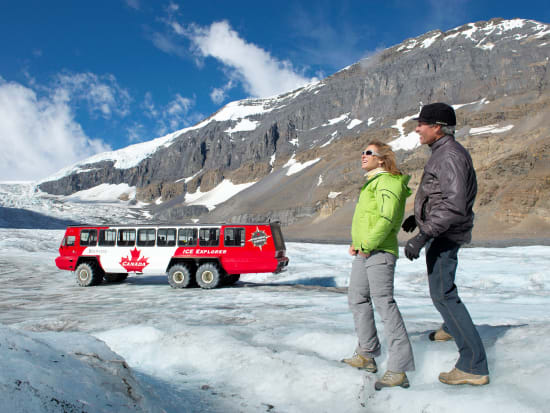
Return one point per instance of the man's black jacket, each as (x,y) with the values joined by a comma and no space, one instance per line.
(445,197)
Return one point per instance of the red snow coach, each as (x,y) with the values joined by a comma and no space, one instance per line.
(212,255)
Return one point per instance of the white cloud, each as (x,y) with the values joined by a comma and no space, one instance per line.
(261,74)
(180,105)
(136,132)
(134,4)
(175,115)
(102,93)
(168,45)
(38,135)
(172,7)
(218,95)
(149,106)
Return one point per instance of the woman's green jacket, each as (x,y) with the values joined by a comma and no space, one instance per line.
(379,213)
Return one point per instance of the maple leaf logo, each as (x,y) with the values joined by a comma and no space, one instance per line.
(135,254)
(134,264)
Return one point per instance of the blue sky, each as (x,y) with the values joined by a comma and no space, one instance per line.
(81,77)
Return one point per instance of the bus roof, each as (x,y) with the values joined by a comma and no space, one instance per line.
(173,224)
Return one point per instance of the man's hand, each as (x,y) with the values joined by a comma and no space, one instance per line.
(409,225)
(414,245)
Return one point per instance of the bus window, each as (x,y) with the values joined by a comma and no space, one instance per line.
(69,241)
(187,237)
(126,237)
(88,237)
(234,237)
(209,237)
(107,237)
(166,237)
(146,237)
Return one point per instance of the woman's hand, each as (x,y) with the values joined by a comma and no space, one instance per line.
(353,252)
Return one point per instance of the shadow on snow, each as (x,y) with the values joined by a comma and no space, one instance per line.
(18,218)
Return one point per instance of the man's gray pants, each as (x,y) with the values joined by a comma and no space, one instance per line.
(372,281)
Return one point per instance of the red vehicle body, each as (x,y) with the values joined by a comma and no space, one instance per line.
(210,254)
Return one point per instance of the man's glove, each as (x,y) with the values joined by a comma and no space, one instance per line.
(414,245)
(409,225)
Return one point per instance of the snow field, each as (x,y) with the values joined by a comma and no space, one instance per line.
(274,342)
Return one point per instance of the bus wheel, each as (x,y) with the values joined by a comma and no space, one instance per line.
(87,274)
(179,276)
(115,278)
(208,276)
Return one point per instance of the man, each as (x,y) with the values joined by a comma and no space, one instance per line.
(443,213)
(374,229)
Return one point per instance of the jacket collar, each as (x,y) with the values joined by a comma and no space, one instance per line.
(440,142)
(372,173)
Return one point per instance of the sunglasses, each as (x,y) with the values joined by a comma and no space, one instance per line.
(371,153)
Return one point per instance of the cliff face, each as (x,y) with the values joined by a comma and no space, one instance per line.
(496,73)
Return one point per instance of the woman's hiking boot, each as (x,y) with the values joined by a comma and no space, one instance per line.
(456,376)
(392,379)
(360,362)
(440,335)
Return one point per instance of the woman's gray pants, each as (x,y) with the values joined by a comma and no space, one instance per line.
(372,281)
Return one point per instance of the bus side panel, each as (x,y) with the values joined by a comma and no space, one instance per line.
(257,255)
(146,260)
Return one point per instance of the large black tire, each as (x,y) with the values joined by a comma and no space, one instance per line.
(179,276)
(208,276)
(88,274)
(231,279)
(115,278)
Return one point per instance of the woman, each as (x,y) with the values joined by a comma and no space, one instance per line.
(374,229)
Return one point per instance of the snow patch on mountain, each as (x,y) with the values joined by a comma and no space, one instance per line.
(353,123)
(221,193)
(294,166)
(244,125)
(336,120)
(407,141)
(429,41)
(478,33)
(490,129)
(104,193)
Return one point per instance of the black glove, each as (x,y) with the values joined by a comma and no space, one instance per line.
(409,225)
(414,245)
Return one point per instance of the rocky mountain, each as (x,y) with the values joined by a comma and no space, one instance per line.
(298,153)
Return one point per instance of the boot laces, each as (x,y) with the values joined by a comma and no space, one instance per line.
(390,375)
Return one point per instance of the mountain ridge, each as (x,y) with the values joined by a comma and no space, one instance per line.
(494,72)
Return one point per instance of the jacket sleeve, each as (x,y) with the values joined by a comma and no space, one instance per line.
(387,204)
(452,207)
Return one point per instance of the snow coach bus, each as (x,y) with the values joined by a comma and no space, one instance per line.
(210,255)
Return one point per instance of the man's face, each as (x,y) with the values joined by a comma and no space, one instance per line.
(428,133)
(370,161)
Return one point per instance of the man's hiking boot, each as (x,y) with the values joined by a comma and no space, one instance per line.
(456,376)
(440,335)
(392,379)
(360,362)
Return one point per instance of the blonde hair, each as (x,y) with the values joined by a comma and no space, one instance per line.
(387,156)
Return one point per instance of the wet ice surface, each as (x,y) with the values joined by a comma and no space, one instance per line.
(273,342)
